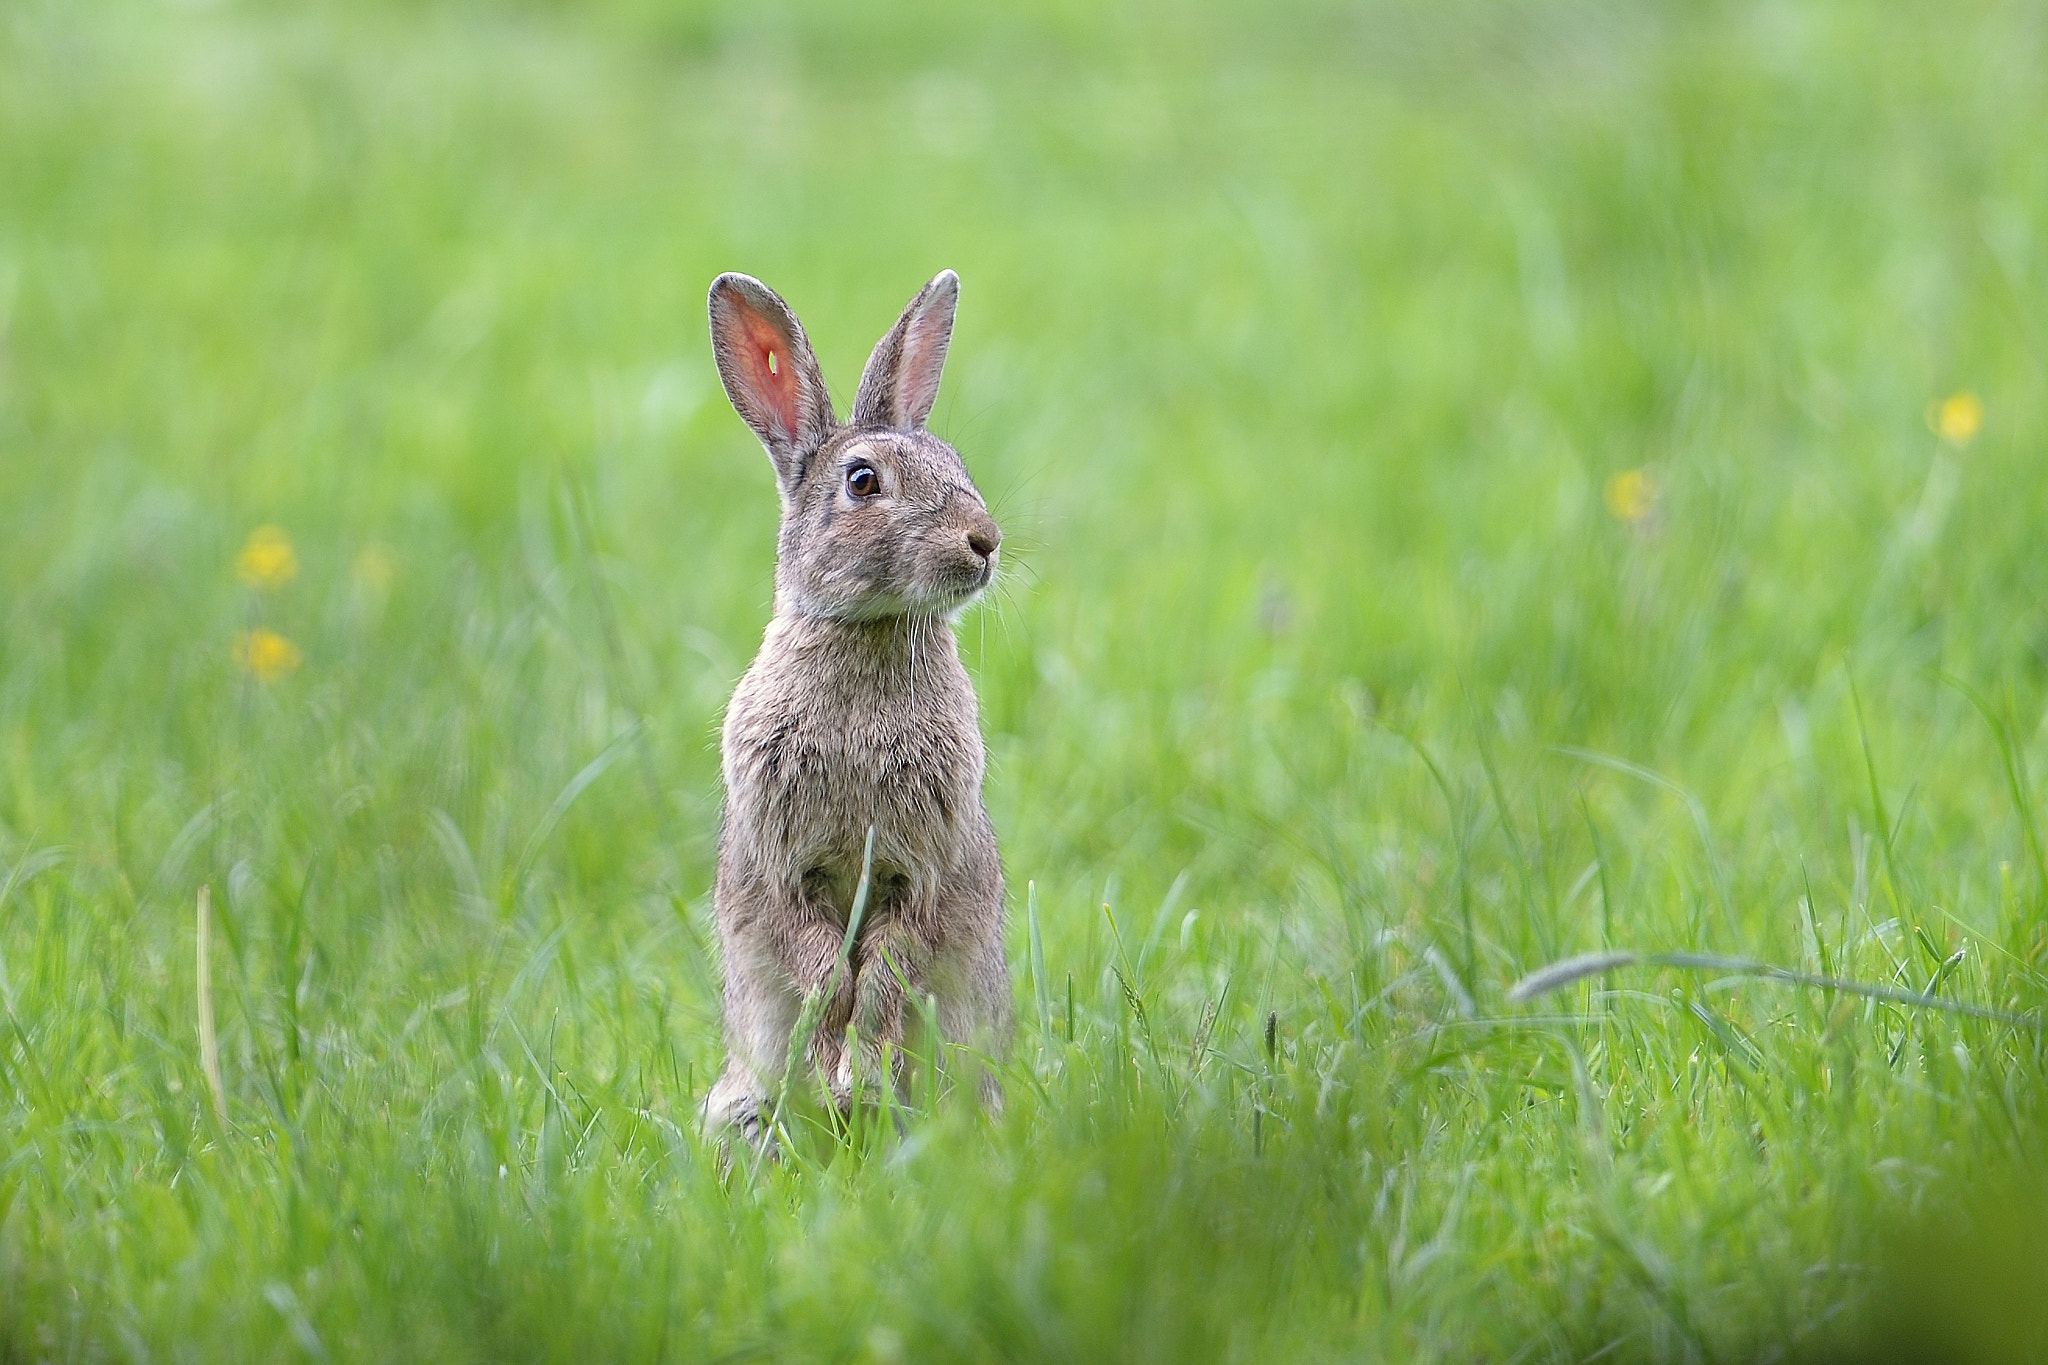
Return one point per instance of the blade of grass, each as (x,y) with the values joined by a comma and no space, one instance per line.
(2014,759)
(1459,842)
(1600,861)
(1040,988)
(209,1038)
(566,798)
(1507,822)
(1564,972)
(1877,807)
(1692,806)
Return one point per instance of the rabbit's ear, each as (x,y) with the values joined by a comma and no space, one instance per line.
(769,372)
(901,381)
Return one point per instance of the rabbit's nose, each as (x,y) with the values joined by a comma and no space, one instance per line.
(983,540)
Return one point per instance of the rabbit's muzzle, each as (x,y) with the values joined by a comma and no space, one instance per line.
(966,555)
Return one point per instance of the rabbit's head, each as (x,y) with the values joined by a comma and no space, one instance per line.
(879,517)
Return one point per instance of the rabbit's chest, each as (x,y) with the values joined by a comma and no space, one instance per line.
(808,774)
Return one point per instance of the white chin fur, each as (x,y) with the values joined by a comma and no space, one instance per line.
(948,604)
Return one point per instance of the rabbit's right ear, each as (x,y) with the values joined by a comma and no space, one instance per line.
(768,371)
(902,378)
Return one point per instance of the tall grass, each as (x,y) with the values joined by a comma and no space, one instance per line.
(1485,488)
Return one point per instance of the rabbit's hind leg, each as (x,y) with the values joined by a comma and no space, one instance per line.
(975,1012)
(760,1010)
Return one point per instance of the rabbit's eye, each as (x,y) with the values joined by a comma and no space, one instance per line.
(863,482)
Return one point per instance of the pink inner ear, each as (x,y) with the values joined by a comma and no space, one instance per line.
(770,376)
(916,369)
(919,364)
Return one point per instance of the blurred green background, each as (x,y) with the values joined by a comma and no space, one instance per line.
(1483,481)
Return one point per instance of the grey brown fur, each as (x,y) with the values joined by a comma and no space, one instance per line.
(855,713)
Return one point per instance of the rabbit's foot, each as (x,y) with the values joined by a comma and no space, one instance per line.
(864,1072)
(734,1106)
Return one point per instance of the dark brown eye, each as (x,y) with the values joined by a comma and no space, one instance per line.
(863,482)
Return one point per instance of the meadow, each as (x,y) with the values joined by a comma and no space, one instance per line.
(1483,483)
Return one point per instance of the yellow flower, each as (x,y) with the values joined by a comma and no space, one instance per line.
(267,656)
(1957,417)
(267,559)
(1632,496)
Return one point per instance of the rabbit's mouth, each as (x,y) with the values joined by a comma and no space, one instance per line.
(953,599)
(945,600)
(966,583)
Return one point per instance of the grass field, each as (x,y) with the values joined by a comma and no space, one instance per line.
(1484,483)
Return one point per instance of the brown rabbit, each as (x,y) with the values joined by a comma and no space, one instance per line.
(856,714)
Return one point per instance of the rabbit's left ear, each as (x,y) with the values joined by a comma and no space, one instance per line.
(901,381)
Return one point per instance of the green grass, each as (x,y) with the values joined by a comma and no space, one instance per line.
(1298,347)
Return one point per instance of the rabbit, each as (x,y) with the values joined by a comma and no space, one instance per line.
(855,714)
